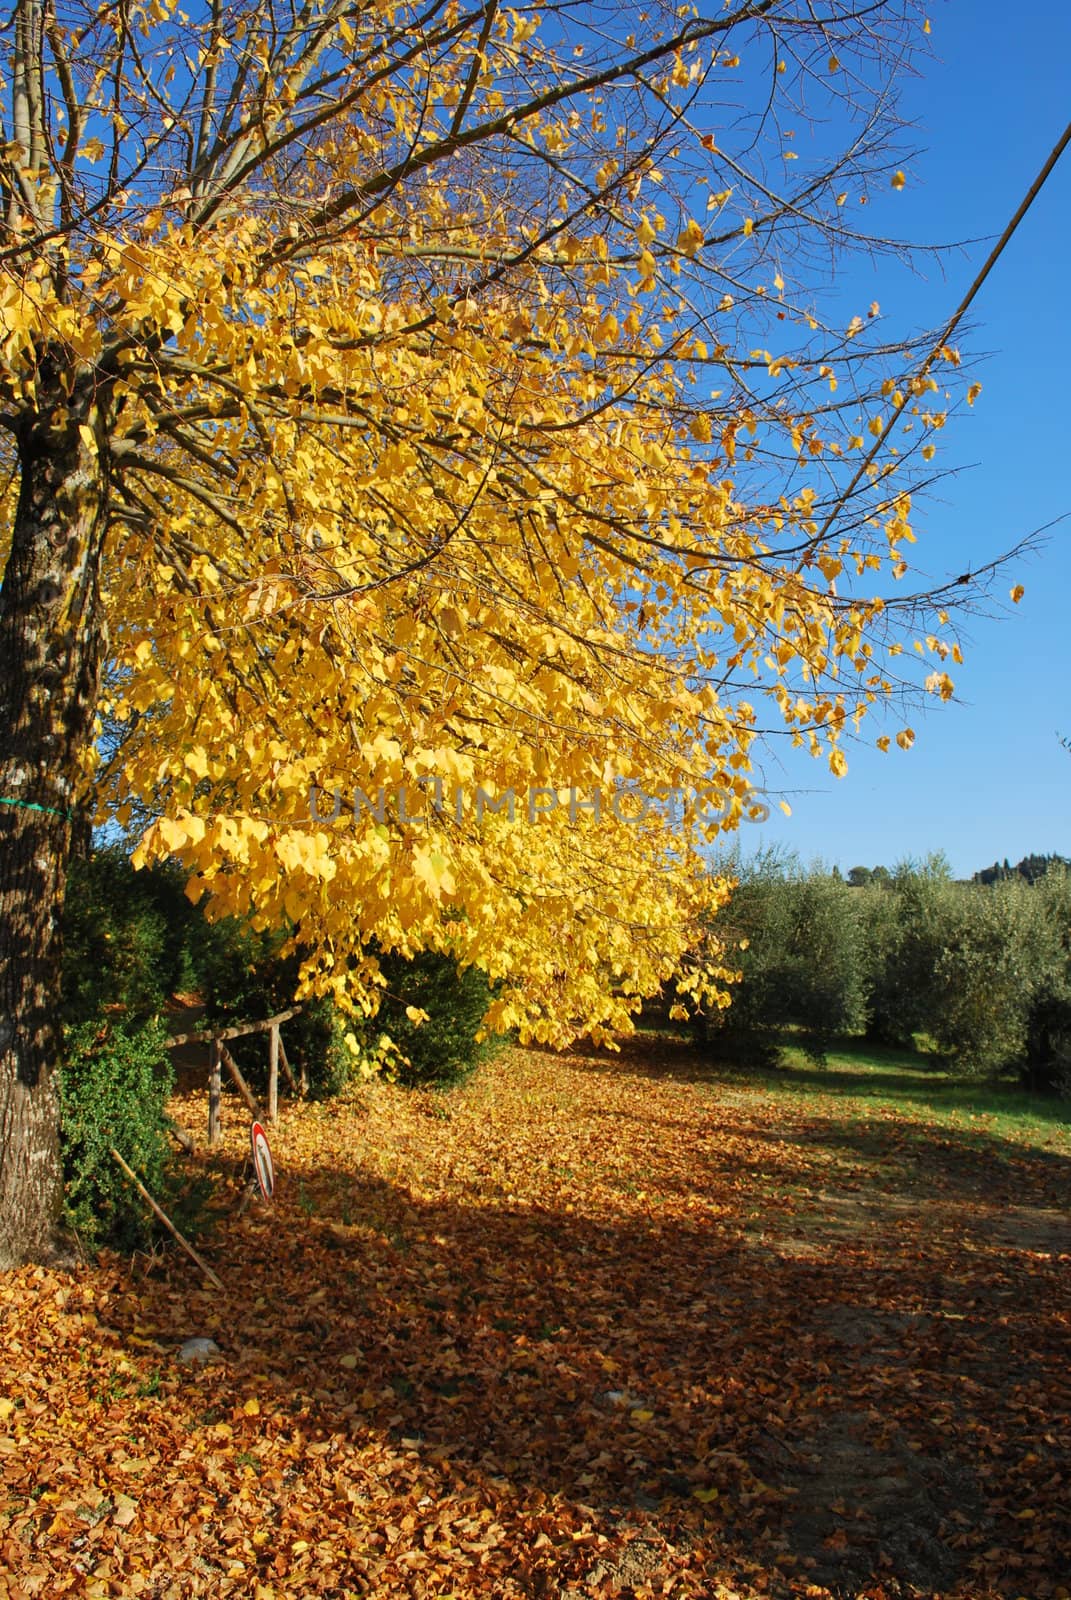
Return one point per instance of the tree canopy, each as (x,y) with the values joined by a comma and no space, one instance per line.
(422,401)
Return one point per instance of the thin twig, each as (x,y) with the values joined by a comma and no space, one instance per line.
(166,1220)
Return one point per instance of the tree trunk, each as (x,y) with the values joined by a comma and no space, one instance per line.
(51,643)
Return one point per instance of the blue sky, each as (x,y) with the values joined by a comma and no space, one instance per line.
(987,777)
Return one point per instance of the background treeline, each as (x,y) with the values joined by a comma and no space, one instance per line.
(977,973)
(131,941)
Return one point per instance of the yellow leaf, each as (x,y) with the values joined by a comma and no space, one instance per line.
(171,832)
(252,1408)
(125,1511)
(1017,593)
(641,1415)
(691,239)
(898,180)
(704,1496)
(434,870)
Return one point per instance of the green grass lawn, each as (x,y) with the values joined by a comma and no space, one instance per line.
(869,1081)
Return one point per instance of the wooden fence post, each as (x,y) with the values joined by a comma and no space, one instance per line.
(215,1088)
(298,1088)
(239,1082)
(273,1074)
(158,1211)
(220,1056)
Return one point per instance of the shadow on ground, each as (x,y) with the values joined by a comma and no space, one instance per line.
(587,1329)
(841,1368)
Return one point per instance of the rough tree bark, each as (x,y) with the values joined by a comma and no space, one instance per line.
(51,644)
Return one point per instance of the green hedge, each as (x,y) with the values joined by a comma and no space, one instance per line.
(114,1088)
(442,1050)
(130,938)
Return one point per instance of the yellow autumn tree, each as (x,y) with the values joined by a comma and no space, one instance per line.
(429,459)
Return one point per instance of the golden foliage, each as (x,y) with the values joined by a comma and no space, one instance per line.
(402,335)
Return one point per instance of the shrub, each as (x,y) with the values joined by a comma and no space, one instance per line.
(114,1087)
(1047,1059)
(905,926)
(798,952)
(315,1046)
(128,938)
(246,978)
(442,1050)
(985,978)
(962,963)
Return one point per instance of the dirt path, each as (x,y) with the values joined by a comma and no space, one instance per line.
(592,1327)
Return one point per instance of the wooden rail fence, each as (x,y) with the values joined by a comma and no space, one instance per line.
(220,1056)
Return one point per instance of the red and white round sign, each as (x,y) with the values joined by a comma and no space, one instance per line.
(262,1164)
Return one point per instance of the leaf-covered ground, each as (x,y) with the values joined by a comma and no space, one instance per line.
(592,1326)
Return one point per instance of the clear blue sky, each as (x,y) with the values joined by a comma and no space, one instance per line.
(987,777)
